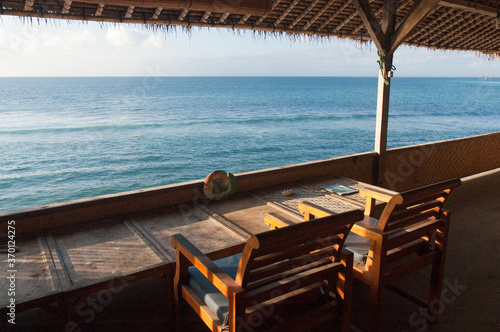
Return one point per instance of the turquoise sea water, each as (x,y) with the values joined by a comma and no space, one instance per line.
(69,138)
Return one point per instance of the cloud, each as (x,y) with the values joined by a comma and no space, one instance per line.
(38,41)
(70,40)
(153,42)
(474,64)
(125,38)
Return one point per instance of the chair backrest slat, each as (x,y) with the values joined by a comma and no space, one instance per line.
(406,249)
(291,282)
(260,278)
(414,219)
(291,252)
(412,233)
(289,240)
(417,205)
(281,259)
(410,211)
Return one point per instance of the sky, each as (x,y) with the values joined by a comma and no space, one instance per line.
(62,48)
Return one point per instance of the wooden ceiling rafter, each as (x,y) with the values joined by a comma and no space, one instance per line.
(346,21)
(487,32)
(334,15)
(481,38)
(99,10)
(182,15)
(415,15)
(318,14)
(243,19)
(223,17)
(66,7)
(157,13)
(205,16)
(449,29)
(494,43)
(427,23)
(28,5)
(303,14)
(441,21)
(285,13)
(371,23)
(456,35)
(377,13)
(130,12)
(454,30)
(263,17)
(471,7)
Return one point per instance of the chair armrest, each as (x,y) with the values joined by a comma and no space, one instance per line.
(274,221)
(379,194)
(224,283)
(311,211)
(347,257)
(228,251)
(367,231)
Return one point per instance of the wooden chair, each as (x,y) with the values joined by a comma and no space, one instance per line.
(298,271)
(411,233)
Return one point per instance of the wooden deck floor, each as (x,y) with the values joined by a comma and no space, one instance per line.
(472,276)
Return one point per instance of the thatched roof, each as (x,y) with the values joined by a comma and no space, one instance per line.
(445,24)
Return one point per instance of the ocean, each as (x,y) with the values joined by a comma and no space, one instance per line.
(69,138)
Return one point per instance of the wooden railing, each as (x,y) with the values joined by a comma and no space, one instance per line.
(407,167)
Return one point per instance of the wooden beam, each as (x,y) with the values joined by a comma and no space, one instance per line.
(381,122)
(401,5)
(156,13)
(471,7)
(371,23)
(419,11)
(318,14)
(205,16)
(333,15)
(28,5)
(100,8)
(243,19)
(362,25)
(487,31)
(130,11)
(182,14)
(66,7)
(249,7)
(388,25)
(286,12)
(442,20)
(304,13)
(263,17)
(223,17)
(346,20)
(454,32)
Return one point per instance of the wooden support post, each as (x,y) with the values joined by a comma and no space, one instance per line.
(388,25)
(387,39)
(382,122)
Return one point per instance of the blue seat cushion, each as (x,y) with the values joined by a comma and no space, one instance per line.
(358,245)
(214,299)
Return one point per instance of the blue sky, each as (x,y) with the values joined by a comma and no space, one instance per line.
(60,48)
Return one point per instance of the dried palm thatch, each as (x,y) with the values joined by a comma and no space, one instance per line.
(471,25)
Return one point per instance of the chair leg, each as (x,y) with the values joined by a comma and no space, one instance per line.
(437,273)
(375,307)
(61,309)
(178,308)
(435,289)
